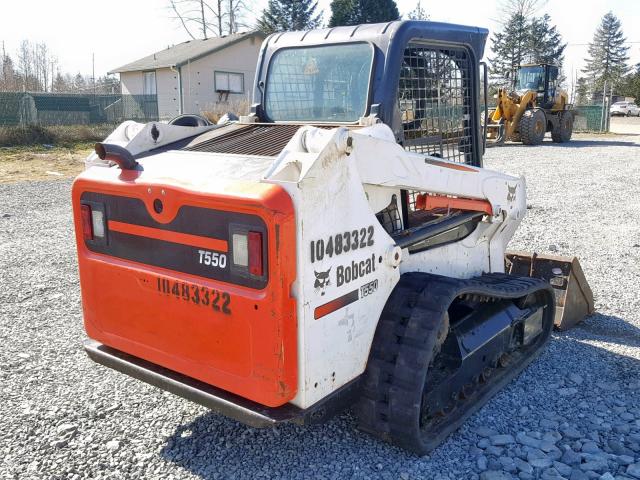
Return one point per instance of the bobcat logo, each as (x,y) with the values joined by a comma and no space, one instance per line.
(511,194)
(322,281)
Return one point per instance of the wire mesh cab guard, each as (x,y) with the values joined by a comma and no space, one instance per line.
(435,102)
(434,99)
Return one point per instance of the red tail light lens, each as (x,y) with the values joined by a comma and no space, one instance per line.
(255,254)
(87,223)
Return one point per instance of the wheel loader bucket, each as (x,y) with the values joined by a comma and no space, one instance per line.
(574,299)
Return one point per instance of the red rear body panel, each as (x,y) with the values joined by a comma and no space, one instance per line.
(146,292)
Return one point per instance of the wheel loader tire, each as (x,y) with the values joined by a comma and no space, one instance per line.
(515,137)
(563,129)
(532,127)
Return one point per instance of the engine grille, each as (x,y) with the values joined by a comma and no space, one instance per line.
(253,139)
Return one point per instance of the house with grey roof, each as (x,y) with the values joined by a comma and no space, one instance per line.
(194,76)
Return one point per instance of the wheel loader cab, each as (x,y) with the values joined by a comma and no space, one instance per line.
(542,79)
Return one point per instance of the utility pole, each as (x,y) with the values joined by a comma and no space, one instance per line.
(609,108)
(603,121)
(572,100)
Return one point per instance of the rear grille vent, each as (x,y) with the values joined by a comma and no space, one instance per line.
(255,139)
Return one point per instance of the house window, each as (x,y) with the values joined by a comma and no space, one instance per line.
(229,82)
(149,83)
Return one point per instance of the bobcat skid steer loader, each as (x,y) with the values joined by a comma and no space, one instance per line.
(340,246)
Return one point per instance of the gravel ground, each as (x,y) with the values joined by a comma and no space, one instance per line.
(625,125)
(574,413)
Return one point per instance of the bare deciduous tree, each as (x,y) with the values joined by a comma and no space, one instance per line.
(524,8)
(8,81)
(418,13)
(209,17)
(36,69)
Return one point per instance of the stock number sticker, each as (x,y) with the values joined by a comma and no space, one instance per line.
(203,296)
(341,243)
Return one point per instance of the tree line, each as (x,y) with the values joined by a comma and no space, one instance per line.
(35,68)
(524,37)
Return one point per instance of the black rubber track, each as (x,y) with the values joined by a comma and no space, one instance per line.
(404,346)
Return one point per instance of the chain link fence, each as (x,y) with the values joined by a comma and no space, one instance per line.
(19,108)
(23,108)
(589,118)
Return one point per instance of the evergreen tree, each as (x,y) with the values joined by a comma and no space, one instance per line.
(509,47)
(545,42)
(582,92)
(8,80)
(607,54)
(59,83)
(108,84)
(79,83)
(522,41)
(418,13)
(344,12)
(355,12)
(282,15)
(631,85)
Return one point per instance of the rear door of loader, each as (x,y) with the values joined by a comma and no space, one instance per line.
(197,283)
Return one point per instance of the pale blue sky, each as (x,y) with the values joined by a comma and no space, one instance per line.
(119,31)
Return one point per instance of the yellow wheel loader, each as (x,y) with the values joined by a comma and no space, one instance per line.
(537,106)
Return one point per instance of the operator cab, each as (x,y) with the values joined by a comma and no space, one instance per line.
(541,78)
(419,78)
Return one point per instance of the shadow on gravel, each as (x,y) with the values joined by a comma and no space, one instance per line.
(213,447)
(607,328)
(576,144)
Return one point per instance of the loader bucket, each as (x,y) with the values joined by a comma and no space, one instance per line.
(574,299)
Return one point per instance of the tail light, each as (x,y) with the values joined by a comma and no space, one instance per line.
(240,250)
(255,254)
(87,228)
(248,252)
(93,225)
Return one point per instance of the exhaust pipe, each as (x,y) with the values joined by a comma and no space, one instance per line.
(117,154)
